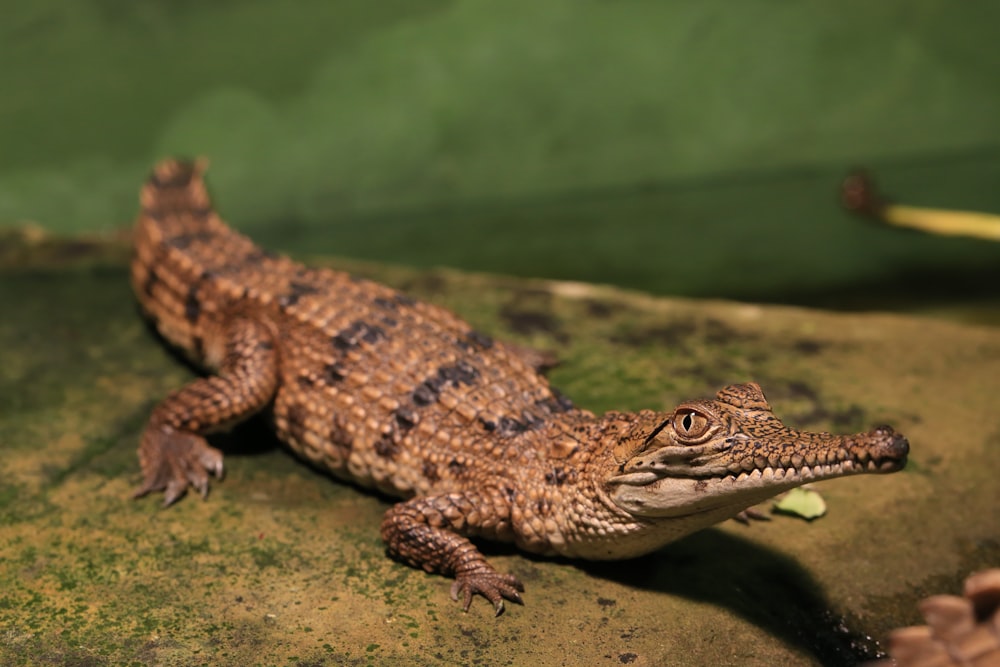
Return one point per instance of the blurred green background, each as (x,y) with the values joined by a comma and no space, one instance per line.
(679,147)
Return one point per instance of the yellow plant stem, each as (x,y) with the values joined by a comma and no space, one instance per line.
(859,195)
(943,221)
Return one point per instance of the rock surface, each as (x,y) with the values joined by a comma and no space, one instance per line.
(282,565)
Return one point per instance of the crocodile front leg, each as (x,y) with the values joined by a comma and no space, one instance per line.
(173,452)
(424,532)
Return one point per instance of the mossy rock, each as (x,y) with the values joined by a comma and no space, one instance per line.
(282,565)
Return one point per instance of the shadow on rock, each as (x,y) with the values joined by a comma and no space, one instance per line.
(770,590)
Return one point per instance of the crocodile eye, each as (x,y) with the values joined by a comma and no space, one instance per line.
(690,424)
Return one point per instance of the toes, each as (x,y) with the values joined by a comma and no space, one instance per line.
(198,478)
(498,607)
(514,583)
(172,461)
(460,586)
(751,514)
(210,460)
(467,599)
(513,596)
(493,586)
(176,488)
(148,486)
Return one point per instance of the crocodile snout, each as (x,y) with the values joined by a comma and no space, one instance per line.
(890,450)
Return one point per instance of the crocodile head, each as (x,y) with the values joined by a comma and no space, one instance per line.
(715,458)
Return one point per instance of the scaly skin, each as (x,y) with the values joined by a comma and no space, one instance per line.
(403,396)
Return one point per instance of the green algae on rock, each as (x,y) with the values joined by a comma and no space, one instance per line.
(282,563)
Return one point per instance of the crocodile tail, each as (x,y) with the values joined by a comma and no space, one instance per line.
(175,197)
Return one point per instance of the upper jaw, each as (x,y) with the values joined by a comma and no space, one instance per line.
(717,481)
(798,458)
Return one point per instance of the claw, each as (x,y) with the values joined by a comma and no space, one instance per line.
(173,460)
(176,488)
(201,486)
(749,513)
(491,585)
(143,490)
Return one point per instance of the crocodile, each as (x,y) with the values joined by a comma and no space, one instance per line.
(402,396)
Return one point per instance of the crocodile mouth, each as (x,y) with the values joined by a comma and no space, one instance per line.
(779,474)
(672,494)
(883,451)
(816,472)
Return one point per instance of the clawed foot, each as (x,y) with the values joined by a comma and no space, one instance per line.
(751,513)
(174,460)
(490,584)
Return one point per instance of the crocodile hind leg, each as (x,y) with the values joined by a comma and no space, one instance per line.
(173,452)
(424,532)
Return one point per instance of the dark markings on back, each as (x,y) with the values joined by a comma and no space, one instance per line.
(258,254)
(555,404)
(201,212)
(403,419)
(296,291)
(357,332)
(192,305)
(199,347)
(340,436)
(297,416)
(429,390)
(156,213)
(460,373)
(556,477)
(361,282)
(424,395)
(430,472)
(151,279)
(333,373)
(406,418)
(175,179)
(404,300)
(386,447)
(456,467)
(509,426)
(184,241)
(387,304)
(475,340)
